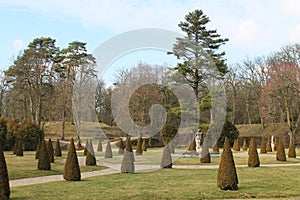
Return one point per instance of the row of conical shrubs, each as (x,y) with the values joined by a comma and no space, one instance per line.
(4,179)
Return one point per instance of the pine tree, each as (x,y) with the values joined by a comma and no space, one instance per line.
(205,155)
(4,179)
(127,165)
(44,160)
(121,147)
(139,150)
(253,158)
(50,150)
(144,145)
(245,144)
(108,151)
(236,145)
(269,146)
(58,149)
(227,176)
(263,147)
(38,149)
(166,160)
(99,148)
(19,149)
(90,155)
(292,151)
(280,154)
(192,146)
(72,169)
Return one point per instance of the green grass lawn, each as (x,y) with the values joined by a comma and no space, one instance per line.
(170,184)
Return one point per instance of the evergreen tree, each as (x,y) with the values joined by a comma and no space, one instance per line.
(253,158)
(121,147)
(108,151)
(166,160)
(263,147)
(38,149)
(4,179)
(127,165)
(139,149)
(280,154)
(245,144)
(19,149)
(269,146)
(90,155)
(144,145)
(205,155)
(227,176)
(44,160)
(99,147)
(236,145)
(58,149)
(292,151)
(50,150)
(72,169)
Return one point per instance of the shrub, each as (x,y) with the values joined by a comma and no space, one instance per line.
(172,149)
(29,132)
(192,146)
(15,146)
(37,149)
(263,146)
(280,154)
(127,165)
(90,156)
(50,150)
(44,160)
(4,179)
(236,145)
(99,147)
(205,155)
(292,151)
(245,144)
(229,131)
(121,146)
(85,147)
(57,149)
(269,147)
(253,159)
(19,148)
(144,145)
(12,130)
(72,169)
(166,160)
(227,177)
(276,142)
(3,132)
(108,152)
(139,150)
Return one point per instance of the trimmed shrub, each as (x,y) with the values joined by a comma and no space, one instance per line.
(15,146)
(229,131)
(3,132)
(139,150)
(144,145)
(108,152)
(172,149)
(227,177)
(72,169)
(292,151)
(50,150)
(90,155)
(166,160)
(192,146)
(85,147)
(44,160)
(205,155)
(19,148)
(263,146)
(253,158)
(236,145)
(245,144)
(216,148)
(121,146)
(57,151)
(276,142)
(37,149)
(99,147)
(127,165)
(280,154)
(269,146)
(4,179)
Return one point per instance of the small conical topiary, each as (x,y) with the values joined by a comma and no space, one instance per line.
(121,147)
(72,169)
(227,176)
(139,149)
(85,147)
(280,154)
(15,146)
(58,149)
(292,151)
(245,144)
(269,146)
(108,151)
(144,145)
(50,150)
(38,149)
(166,160)
(216,148)
(4,179)
(172,149)
(19,149)
(205,155)
(127,165)
(253,158)
(192,146)
(90,155)
(44,160)
(263,146)
(236,145)
(276,143)
(99,147)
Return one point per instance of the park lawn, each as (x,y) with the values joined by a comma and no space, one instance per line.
(280,182)
(26,166)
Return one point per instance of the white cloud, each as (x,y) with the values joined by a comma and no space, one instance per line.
(248,32)
(18,44)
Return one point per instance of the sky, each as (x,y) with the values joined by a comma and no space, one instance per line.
(254,28)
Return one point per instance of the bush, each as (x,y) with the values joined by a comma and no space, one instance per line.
(4,179)
(12,130)
(139,150)
(276,143)
(30,133)
(216,148)
(192,146)
(57,149)
(44,160)
(245,144)
(108,152)
(227,177)
(19,148)
(99,147)
(127,165)
(3,132)
(236,145)
(72,169)
(90,156)
(166,160)
(263,146)
(205,155)
(37,149)
(144,145)
(269,146)
(292,151)
(253,159)
(229,131)
(50,151)
(280,154)
(121,146)
(85,147)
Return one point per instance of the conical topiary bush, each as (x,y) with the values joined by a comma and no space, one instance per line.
(205,155)
(127,165)
(38,149)
(139,149)
(166,160)
(58,149)
(276,143)
(172,149)
(44,160)
(144,145)
(90,155)
(192,146)
(19,149)
(253,158)
(236,145)
(15,146)
(216,148)
(263,146)
(121,146)
(85,147)
(99,147)
(108,151)
(292,151)
(72,169)
(227,176)
(280,154)
(50,150)
(4,179)
(269,146)
(245,144)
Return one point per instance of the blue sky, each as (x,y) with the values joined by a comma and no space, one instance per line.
(254,27)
